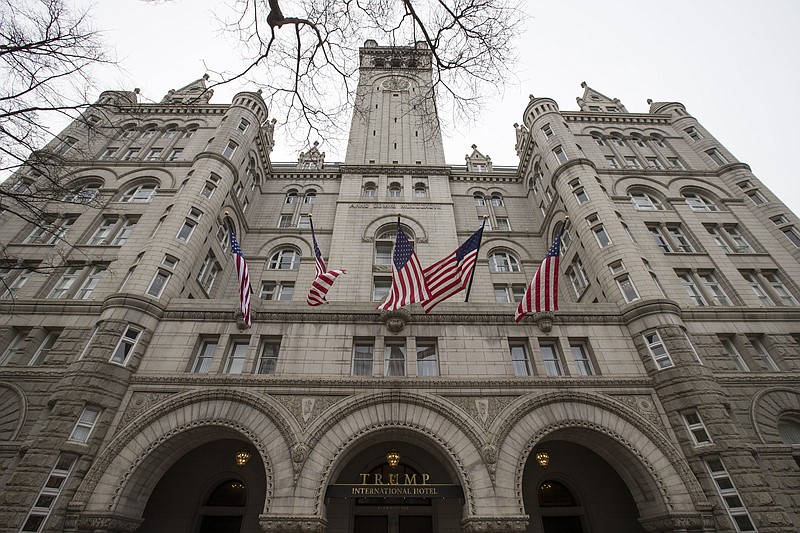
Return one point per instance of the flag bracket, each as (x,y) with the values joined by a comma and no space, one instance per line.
(240,323)
(396,319)
(544,321)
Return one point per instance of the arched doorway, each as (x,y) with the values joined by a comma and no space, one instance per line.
(577,492)
(420,494)
(205,491)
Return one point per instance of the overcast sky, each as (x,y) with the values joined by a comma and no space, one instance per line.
(734,64)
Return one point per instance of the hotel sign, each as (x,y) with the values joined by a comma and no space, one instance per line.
(394,486)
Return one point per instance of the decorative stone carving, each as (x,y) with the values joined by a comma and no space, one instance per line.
(642,404)
(495,524)
(102,522)
(306,409)
(396,320)
(544,321)
(396,84)
(141,402)
(292,524)
(483,410)
(679,522)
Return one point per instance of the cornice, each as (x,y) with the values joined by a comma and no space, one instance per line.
(395,170)
(50,307)
(627,118)
(729,314)
(760,379)
(151,109)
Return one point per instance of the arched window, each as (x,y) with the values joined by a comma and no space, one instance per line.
(699,203)
(83,194)
(149,132)
(190,131)
(370,189)
(140,193)
(646,202)
(554,494)
(284,259)
(617,139)
(395,190)
(501,261)
(658,139)
(420,190)
(789,429)
(598,138)
(384,243)
(497,200)
(479,200)
(231,493)
(310,197)
(127,132)
(291,197)
(170,132)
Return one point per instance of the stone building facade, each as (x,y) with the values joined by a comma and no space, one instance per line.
(663,396)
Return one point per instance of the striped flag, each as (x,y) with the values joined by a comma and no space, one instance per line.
(451,275)
(408,281)
(323,279)
(244,278)
(542,293)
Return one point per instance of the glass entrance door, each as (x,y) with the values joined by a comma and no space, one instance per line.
(393,523)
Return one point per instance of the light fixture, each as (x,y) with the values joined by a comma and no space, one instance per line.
(542,458)
(393,457)
(242,456)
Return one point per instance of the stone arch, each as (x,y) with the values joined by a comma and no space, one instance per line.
(637,449)
(766,408)
(420,235)
(424,417)
(13,411)
(137,457)
(490,245)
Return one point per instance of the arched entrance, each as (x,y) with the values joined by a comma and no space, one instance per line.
(420,494)
(577,492)
(205,491)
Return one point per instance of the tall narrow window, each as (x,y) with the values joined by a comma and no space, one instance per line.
(627,288)
(691,289)
(716,157)
(552,365)
(715,289)
(15,348)
(786,297)
(90,283)
(560,154)
(697,429)
(268,356)
(85,424)
(158,283)
(729,495)
(49,493)
(657,350)
(681,241)
(204,357)
(44,348)
(237,357)
(734,354)
(363,358)
(758,289)
(520,359)
(427,358)
(394,359)
(124,231)
(65,283)
(763,355)
(229,150)
(126,345)
(581,356)
(599,230)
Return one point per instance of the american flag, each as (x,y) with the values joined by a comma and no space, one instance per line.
(408,281)
(244,278)
(451,275)
(542,293)
(323,280)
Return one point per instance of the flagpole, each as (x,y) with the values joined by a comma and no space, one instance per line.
(477,252)
(311,222)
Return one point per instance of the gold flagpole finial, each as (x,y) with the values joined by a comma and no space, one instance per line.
(485,217)
(227,213)
(310,215)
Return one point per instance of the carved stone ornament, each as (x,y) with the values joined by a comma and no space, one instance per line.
(102,522)
(495,524)
(240,320)
(679,522)
(396,320)
(292,524)
(544,321)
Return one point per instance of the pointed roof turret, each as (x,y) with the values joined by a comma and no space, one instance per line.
(477,162)
(596,101)
(194,93)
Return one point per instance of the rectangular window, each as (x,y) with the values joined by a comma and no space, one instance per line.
(380,288)
(547,130)
(109,153)
(175,154)
(154,154)
(89,284)
(158,283)
(304,222)
(599,231)
(581,356)
(715,289)
(204,356)
(697,430)
(716,157)
(718,239)
(740,244)
(519,358)
(85,424)
(756,198)
(560,155)
(693,133)
(102,234)
(653,162)
(503,224)
(758,289)
(268,356)
(124,231)
(208,272)
(208,189)
(15,348)
(729,495)
(48,495)
(277,290)
(427,358)
(733,353)
(186,230)
(243,125)
(612,161)
(659,238)
(691,289)
(681,241)
(237,357)
(763,355)
(285,221)
(657,350)
(44,348)
(132,153)
(363,360)
(675,163)
(632,162)
(792,235)
(126,345)
(229,150)
(627,288)
(394,359)
(786,297)
(65,283)
(552,365)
